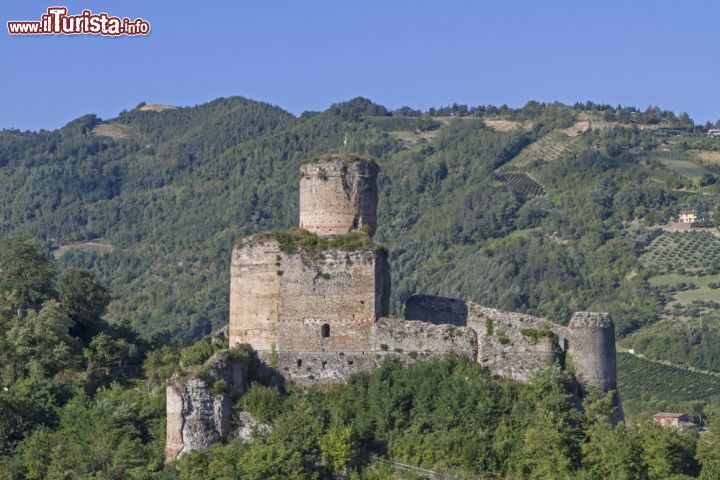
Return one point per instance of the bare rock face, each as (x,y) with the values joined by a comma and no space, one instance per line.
(196,417)
(199,405)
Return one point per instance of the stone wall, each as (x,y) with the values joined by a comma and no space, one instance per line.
(416,337)
(287,301)
(388,337)
(254,293)
(505,350)
(197,416)
(338,194)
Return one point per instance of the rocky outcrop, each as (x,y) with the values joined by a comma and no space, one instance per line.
(199,403)
(248,426)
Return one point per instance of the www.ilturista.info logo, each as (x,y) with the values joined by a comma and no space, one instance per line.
(57,22)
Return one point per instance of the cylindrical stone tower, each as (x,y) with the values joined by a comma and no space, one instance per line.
(338,194)
(592,348)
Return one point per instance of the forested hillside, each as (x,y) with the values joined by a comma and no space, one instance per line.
(547,209)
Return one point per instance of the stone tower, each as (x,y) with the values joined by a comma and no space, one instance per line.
(592,349)
(338,194)
(309,305)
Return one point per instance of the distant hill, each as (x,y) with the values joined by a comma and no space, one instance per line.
(543,209)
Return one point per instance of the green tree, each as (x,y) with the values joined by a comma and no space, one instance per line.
(84,299)
(337,446)
(667,451)
(26,274)
(39,344)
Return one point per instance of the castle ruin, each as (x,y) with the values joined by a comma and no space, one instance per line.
(312,302)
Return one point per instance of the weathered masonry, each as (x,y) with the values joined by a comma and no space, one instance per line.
(315,299)
(312,302)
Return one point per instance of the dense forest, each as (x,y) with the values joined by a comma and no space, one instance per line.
(547,209)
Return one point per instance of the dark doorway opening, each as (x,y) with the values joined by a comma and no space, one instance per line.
(325,330)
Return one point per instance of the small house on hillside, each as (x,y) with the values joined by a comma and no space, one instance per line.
(673,420)
(689,217)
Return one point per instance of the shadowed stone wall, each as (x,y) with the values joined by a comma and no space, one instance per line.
(591,337)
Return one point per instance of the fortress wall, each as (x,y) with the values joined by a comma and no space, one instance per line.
(254,293)
(505,350)
(308,367)
(338,194)
(342,290)
(396,335)
(592,347)
(283,300)
(389,337)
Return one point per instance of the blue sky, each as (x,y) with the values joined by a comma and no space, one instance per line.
(306,55)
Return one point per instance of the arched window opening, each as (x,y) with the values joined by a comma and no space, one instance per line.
(299,362)
(325,330)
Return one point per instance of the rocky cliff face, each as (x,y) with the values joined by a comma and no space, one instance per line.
(199,404)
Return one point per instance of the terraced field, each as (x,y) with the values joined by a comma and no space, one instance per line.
(549,148)
(681,164)
(521,182)
(642,379)
(683,251)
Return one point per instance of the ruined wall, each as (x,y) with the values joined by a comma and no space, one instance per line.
(286,300)
(591,337)
(338,194)
(388,337)
(254,293)
(196,416)
(416,337)
(505,350)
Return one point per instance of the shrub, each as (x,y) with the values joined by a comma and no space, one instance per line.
(535,334)
(220,387)
(263,403)
(197,354)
